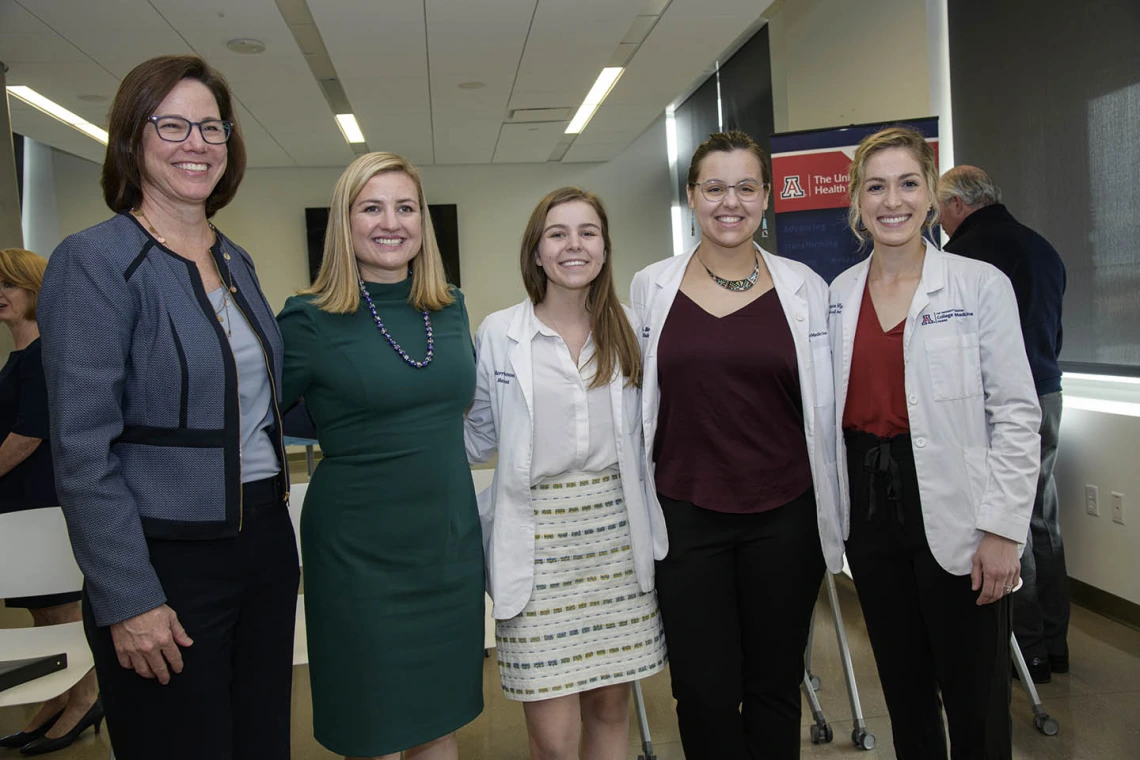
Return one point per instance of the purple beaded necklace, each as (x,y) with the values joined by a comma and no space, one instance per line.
(396,346)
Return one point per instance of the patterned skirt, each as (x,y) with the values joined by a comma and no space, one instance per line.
(587,623)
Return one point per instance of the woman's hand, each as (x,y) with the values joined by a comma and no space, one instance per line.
(996,568)
(146,643)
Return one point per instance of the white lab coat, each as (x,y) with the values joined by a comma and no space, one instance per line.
(502,418)
(970,398)
(803,296)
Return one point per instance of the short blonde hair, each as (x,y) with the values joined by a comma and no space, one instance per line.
(891,137)
(336,288)
(24,269)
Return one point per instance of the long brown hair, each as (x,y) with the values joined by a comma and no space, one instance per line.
(336,288)
(141,91)
(614,341)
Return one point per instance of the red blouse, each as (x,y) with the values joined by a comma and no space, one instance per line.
(876,387)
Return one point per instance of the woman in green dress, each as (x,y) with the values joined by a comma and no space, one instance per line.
(380,349)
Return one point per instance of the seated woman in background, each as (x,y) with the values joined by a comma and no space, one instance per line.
(27,482)
(390,530)
(570,537)
(940,419)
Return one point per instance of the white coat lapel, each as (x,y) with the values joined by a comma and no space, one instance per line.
(850,317)
(519,355)
(931,282)
(789,287)
(667,284)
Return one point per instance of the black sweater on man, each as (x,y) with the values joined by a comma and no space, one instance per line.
(991,234)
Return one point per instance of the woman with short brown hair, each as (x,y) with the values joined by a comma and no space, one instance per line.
(171,471)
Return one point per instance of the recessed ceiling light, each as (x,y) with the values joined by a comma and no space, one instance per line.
(57,112)
(472,85)
(349,128)
(605,82)
(246,46)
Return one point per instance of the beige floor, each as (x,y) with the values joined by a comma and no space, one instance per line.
(1097,705)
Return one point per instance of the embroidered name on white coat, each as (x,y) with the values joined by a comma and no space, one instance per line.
(504,377)
(945,316)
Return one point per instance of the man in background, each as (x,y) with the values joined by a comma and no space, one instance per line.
(981,228)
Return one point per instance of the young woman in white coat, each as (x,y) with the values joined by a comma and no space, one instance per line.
(738,414)
(570,539)
(940,418)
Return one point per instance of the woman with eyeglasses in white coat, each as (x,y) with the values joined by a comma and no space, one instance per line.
(738,415)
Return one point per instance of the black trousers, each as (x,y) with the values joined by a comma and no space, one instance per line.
(927,632)
(236,598)
(736,593)
(1041,606)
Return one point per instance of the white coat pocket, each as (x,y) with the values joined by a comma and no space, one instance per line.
(955,366)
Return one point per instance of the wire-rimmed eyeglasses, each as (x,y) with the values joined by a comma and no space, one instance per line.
(177,129)
(715,191)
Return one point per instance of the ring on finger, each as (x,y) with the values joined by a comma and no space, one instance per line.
(1007,589)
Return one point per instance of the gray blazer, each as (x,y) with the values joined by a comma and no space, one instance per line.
(143,399)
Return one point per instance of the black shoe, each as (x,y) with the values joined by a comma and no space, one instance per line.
(1059,663)
(44,745)
(20,738)
(1038,668)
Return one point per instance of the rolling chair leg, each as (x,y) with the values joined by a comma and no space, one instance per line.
(860,736)
(642,723)
(1041,719)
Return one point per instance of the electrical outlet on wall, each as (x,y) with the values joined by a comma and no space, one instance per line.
(1092,500)
(1118,507)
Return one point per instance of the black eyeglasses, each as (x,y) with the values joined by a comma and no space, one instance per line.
(176,129)
(714,191)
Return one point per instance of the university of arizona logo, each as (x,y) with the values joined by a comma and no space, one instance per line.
(926,320)
(792,188)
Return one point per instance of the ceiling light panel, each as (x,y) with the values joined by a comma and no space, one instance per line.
(57,112)
(380,54)
(602,86)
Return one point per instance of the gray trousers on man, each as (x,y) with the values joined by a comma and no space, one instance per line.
(1041,607)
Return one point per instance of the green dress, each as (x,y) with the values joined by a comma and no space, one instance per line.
(390,536)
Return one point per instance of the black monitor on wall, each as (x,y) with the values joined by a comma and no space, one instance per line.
(444,219)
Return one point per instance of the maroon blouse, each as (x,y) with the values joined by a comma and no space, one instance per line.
(876,388)
(730,429)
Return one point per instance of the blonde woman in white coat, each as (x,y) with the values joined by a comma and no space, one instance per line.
(570,539)
(940,417)
(738,414)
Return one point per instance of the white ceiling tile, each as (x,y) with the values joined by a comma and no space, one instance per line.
(527,143)
(399,61)
(466,138)
(588,153)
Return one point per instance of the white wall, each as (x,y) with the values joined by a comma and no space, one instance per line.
(1099,449)
(494,202)
(837,62)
